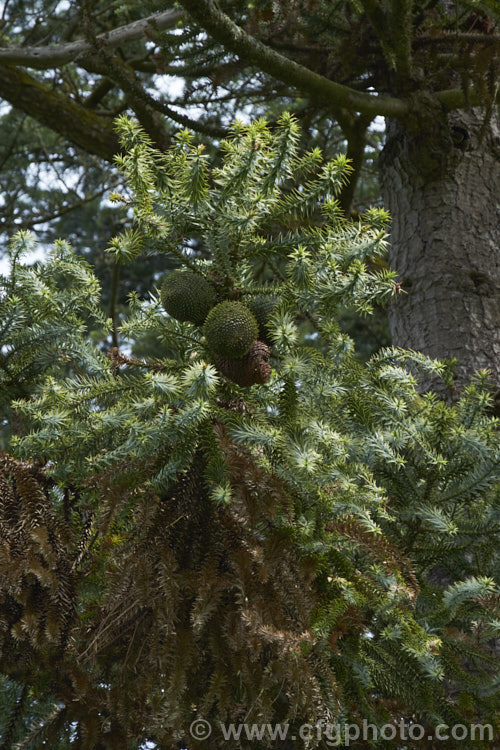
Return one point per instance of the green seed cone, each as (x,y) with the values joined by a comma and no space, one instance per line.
(187,296)
(230,329)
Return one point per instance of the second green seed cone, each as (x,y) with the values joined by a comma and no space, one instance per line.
(230,329)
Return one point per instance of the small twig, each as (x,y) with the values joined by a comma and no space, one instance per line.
(115,285)
(450,36)
(113,622)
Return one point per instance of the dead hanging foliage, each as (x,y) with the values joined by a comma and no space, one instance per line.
(182,608)
(207,611)
(37,586)
(179,607)
(41,553)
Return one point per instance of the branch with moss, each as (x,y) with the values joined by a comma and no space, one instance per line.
(73,121)
(341,100)
(379,21)
(338,98)
(146,106)
(401,23)
(119,72)
(447,37)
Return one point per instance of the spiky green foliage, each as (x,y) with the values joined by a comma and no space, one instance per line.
(43,309)
(317,545)
(263,306)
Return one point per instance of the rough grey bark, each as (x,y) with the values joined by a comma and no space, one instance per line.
(440,178)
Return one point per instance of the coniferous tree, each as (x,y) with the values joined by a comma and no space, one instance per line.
(252,525)
(430,67)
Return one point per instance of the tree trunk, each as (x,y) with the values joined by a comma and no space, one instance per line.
(440,177)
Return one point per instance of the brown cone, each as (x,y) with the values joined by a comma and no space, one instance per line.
(252,369)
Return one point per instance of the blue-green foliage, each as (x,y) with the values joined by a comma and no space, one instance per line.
(43,311)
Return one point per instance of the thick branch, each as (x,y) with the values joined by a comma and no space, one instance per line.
(314,86)
(377,16)
(118,71)
(401,22)
(250,50)
(97,95)
(145,106)
(457,99)
(76,123)
(448,37)
(46,57)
